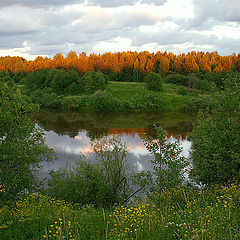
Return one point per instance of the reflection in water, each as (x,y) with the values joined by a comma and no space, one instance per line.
(71,134)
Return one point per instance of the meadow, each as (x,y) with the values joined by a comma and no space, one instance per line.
(179,213)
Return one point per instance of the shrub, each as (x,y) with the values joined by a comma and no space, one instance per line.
(153,102)
(74,103)
(216,139)
(63,80)
(168,164)
(194,104)
(104,101)
(207,86)
(21,143)
(102,183)
(193,81)
(182,91)
(94,81)
(154,81)
(177,79)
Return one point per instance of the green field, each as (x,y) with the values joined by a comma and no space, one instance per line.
(171,99)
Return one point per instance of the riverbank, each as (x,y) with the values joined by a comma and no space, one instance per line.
(124,96)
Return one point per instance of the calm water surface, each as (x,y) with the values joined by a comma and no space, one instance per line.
(71,134)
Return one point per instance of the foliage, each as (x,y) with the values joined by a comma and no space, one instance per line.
(183,213)
(177,79)
(154,81)
(196,104)
(21,143)
(41,217)
(103,101)
(216,138)
(168,164)
(103,183)
(94,81)
(66,83)
(153,102)
(74,103)
(193,81)
(122,64)
(46,99)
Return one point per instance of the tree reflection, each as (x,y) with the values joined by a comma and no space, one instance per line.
(102,124)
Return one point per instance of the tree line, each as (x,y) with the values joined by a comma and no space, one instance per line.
(143,62)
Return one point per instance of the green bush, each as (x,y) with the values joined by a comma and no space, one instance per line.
(103,183)
(94,81)
(167,164)
(193,81)
(182,91)
(21,143)
(74,103)
(64,82)
(194,104)
(104,101)
(153,102)
(177,79)
(207,86)
(216,139)
(154,81)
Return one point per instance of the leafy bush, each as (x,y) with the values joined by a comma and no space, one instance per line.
(21,143)
(104,101)
(194,104)
(94,81)
(193,81)
(216,139)
(154,81)
(74,103)
(207,86)
(168,164)
(103,183)
(65,82)
(177,79)
(153,102)
(182,91)
(127,105)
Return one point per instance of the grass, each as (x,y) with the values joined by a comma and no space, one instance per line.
(172,100)
(179,213)
(124,96)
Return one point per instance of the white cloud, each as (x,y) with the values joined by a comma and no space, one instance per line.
(49,27)
(115,45)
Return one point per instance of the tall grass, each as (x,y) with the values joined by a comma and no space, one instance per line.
(181,213)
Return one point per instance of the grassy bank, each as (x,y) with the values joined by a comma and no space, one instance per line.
(123,96)
(181,213)
(170,99)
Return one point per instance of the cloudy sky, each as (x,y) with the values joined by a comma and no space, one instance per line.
(44,27)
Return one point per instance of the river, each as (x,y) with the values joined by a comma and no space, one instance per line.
(71,134)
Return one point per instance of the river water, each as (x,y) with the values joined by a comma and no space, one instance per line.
(71,134)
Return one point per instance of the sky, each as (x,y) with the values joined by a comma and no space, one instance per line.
(31,28)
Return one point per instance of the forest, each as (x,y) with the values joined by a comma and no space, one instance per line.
(143,62)
(96,82)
